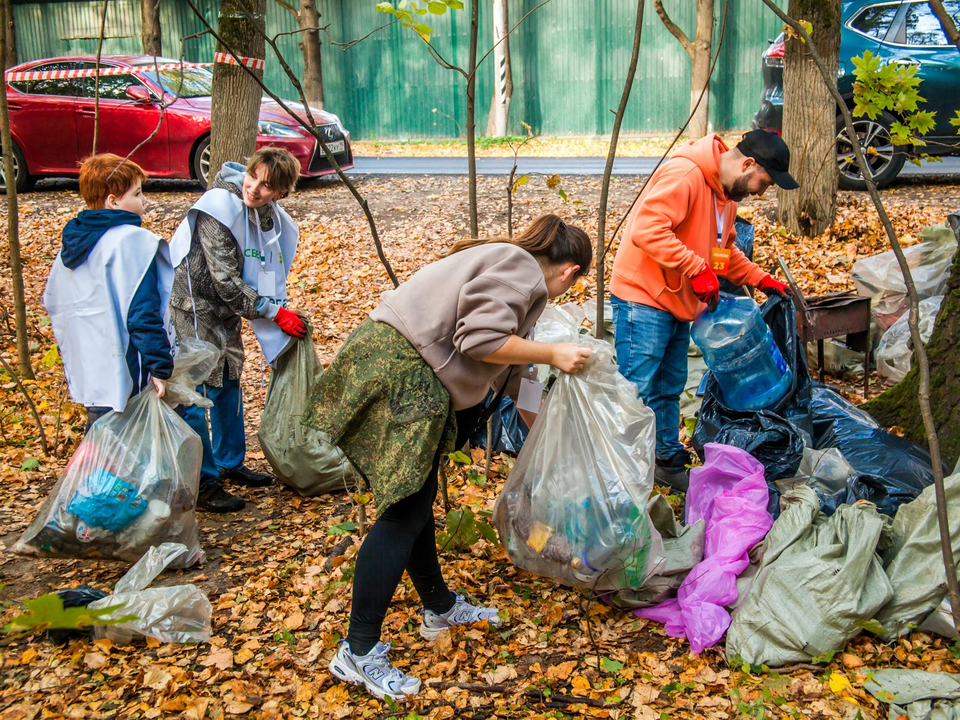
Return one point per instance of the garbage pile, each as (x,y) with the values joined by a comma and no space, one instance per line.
(302,458)
(133,481)
(574,507)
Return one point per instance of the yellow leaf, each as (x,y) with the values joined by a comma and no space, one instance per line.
(562,670)
(293,621)
(28,656)
(243,656)
(337,695)
(152,642)
(839,684)
(580,683)
(539,534)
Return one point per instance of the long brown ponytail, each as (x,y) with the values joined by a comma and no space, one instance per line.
(548,237)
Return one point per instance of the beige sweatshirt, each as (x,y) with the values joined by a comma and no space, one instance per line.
(463,308)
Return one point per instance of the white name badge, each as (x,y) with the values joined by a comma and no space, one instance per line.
(267,283)
(531,395)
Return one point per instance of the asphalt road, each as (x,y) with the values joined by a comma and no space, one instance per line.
(950,166)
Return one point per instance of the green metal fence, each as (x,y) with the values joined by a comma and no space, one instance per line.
(569,61)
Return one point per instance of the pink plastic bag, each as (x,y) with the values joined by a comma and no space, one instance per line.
(729,492)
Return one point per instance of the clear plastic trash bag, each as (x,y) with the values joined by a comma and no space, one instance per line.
(878,277)
(895,352)
(179,613)
(131,484)
(574,507)
(302,457)
(195,360)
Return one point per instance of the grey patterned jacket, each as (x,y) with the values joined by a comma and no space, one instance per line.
(219,296)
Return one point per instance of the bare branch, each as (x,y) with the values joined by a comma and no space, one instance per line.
(920,352)
(298,31)
(288,7)
(435,54)
(96,79)
(311,128)
(608,167)
(946,22)
(33,408)
(674,29)
(350,43)
(519,22)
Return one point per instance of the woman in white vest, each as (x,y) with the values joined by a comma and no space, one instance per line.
(108,291)
(242,245)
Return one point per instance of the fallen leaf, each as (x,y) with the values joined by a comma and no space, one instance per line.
(222,658)
(94,660)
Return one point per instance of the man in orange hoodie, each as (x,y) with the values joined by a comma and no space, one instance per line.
(678,240)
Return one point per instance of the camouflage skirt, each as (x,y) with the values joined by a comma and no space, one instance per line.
(386,409)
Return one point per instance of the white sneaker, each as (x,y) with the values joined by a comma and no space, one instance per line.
(374,671)
(462,613)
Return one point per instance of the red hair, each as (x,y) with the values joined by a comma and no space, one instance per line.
(107,174)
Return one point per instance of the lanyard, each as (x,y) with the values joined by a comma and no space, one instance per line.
(716,210)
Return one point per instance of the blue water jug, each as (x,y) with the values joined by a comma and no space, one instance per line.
(740,351)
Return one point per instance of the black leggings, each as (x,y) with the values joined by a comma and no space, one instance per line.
(404,537)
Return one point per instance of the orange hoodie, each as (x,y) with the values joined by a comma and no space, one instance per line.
(669,234)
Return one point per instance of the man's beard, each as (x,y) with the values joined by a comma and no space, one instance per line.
(740,190)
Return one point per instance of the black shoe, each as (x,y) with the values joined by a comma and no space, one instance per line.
(214,498)
(246,477)
(674,478)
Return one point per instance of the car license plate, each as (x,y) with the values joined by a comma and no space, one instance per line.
(338,146)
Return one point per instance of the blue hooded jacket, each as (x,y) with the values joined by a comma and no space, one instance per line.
(149,351)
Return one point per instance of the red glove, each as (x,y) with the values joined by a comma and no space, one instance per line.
(292,323)
(706,286)
(771,286)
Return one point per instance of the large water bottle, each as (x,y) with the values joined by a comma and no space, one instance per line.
(740,351)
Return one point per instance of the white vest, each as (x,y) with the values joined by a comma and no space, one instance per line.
(262,252)
(88,309)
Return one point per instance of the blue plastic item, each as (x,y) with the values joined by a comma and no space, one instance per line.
(740,351)
(105,501)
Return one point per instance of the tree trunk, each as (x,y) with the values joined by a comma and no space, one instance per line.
(471,117)
(310,45)
(150,27)
(502,80)
(10,52)
(13,224)
(236,96)
(898,405)
(608,170)
(809,122)
(700,70)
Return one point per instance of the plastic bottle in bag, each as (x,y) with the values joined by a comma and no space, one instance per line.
(740,351)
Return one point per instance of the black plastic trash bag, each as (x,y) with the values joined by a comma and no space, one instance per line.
(904,469)
(509,429)
(774,436)
(745,233)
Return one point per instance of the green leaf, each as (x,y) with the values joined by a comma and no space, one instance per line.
(489,533)
(690,424)
(562,193)
(47,612)
(436,7)
(454,4)
(871,626)
(461,530)
(385,7)
(343,528)
(424,31)
(611,666)
(460,458)
(955,121)
(52,356)
(524,179)
(30,464)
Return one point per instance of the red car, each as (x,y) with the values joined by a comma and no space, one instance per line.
(52,120)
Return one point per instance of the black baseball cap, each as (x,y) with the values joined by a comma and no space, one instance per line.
(771,153)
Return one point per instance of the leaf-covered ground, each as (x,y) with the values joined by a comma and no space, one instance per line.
(278,573)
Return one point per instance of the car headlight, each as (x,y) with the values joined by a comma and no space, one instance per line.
(272,129)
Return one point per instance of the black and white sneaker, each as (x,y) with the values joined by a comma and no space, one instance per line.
(374,671)
(462,613)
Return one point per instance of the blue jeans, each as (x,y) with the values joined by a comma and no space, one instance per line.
(226,421)
(652,354)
